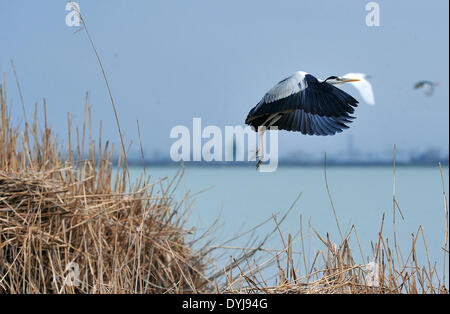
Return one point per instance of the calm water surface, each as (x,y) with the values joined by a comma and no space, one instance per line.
(243,198)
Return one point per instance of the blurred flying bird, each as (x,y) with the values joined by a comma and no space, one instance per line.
(304,103)
(427,86)
(363,86)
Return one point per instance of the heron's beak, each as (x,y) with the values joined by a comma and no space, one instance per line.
(346,80)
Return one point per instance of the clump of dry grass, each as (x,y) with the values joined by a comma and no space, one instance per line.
(70,224)
(335,270)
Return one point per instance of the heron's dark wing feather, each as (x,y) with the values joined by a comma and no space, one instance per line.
(312,124)
(419,84)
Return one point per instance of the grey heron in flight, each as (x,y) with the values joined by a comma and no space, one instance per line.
(427,86)
(306,104)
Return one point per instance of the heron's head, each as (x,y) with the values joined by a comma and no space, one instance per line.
(336,80)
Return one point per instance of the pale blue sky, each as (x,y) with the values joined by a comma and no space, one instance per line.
(170,61)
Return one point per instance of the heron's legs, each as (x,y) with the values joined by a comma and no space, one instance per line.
(260,147)
(258,163)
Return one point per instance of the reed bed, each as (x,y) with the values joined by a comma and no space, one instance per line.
(335,270)
(70,224)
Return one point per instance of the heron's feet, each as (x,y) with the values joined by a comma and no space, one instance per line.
(260,159)
(258,163)
(254,155)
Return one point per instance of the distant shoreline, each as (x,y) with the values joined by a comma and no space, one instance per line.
(330,163)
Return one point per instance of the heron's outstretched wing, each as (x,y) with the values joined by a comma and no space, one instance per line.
(363,86)
(306,105)
(278,98)
(312,124)
(420,84)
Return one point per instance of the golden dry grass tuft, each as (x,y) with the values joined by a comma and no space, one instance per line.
(335,270)
(70,224)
